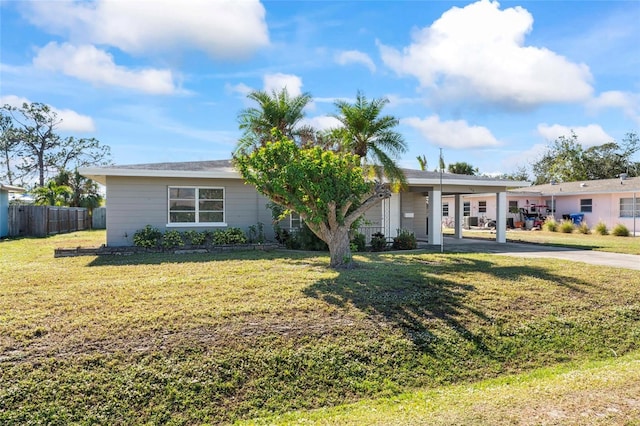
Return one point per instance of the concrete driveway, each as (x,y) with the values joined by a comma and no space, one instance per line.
(528,250)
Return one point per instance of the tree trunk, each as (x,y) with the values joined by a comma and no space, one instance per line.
(340,249)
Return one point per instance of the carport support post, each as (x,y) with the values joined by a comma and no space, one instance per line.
(435,217)
(459,215)
(501,217)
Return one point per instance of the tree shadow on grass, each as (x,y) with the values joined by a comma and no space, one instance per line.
(163,258)
(422,298)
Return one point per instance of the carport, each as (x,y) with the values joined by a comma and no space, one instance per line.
(419,207)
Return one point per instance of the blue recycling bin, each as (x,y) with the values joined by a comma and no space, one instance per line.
(577,218)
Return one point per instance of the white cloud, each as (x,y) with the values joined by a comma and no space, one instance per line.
(478,52)
(97,66)
(590,135)
(222,28)
(239,88)
(278,81)
(71,120)
(456,134)
(628,102)
(321,122)
(355,57)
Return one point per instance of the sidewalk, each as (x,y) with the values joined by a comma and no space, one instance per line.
(530,250)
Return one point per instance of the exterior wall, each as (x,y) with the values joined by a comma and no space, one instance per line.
(413,214)
(4,213)
(605,207)
(133,203)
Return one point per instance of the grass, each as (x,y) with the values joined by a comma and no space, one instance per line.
(608,243)
(595,393)
(201,338)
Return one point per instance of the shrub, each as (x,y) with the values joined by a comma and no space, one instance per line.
(196,238)
(308,240)
(228,236)
(172,239)
(601,229)
(358,242)
(285,238)
(405,240)
(378,242)
(550,225)
(583,228)
(148,237)
(567,226)
(620,231)
(256,233)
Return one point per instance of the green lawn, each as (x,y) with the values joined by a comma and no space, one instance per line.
(204,338)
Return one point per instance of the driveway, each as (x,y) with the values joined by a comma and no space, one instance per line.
(528,250)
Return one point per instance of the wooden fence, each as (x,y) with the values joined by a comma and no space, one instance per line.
(99,218)
(40,221)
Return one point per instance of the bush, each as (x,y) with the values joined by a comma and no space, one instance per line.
(358,242)
(256,233)
(172,239)
(601,229)
(196,238)
(308,240)
(620,231)
(583,228)
(378,241)
(148,237)
(228,236)
(567,226)
(550,225)
(405,240)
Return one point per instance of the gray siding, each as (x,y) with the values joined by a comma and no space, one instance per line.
(134,202)
(413,202)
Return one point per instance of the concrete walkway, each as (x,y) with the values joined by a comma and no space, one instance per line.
(528,250)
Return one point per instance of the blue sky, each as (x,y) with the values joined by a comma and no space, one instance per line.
(490,83)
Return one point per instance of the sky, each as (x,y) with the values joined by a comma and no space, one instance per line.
(489,83)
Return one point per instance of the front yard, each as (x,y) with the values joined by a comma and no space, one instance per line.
(217,338)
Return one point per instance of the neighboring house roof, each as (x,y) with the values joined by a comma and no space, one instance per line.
(602,186)
(11,188)
(224,169)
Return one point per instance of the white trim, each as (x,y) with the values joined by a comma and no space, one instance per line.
(197,225)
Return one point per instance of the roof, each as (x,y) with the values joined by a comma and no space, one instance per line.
(602,186)
(11,188)
(224,169)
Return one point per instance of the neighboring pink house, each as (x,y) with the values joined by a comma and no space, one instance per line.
(611,201)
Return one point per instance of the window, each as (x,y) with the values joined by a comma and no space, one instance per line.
(586,205)
(466,208)
(551,205)
(188,205)
(445,209)
(513,206)
(482,206)
(294,221)
(627,207)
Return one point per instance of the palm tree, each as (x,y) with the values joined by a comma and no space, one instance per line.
(371,136)
(52,194)
(277,110)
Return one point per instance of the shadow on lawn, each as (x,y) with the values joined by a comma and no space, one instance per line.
(417,297)
(163,258)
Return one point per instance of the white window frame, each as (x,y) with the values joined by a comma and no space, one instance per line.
(482,206)
(197,222)
(586,207)
(293,219)
(627,208)
(445,209)
(466,208)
